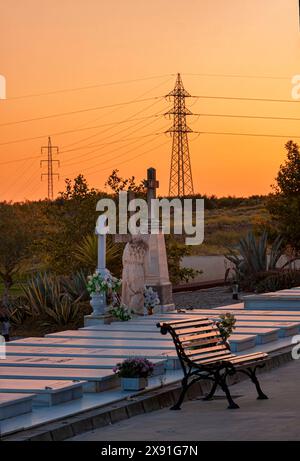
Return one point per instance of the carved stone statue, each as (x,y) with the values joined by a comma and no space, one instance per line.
(133,275)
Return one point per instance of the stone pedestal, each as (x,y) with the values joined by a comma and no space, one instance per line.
(91,320)
(157,272)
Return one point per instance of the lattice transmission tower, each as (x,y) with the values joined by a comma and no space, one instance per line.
(50,163)
(181,180)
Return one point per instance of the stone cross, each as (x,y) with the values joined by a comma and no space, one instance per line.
(101,231)
(152,184)
(124,238)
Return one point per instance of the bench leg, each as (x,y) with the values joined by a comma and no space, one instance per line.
(232,405)
(177,405)
(253,377)
(211,393)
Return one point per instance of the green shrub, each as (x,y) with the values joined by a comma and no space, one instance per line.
(279,281)
(46,296)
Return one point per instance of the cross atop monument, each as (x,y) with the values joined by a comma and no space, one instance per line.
(152,184)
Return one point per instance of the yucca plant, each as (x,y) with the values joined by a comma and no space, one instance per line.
(86,254)
(46,296)
(250,258)
(18,311)
(64,312)
(75,286)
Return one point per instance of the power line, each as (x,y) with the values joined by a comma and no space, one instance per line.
(268,77)
(19,160)
(126,161)
(246,99)
(87,87)
(125,120)
(62,114)
(248,134)
(28,181)
(117,156)
(116,134)
(49,163)
(58,133)
(249,117)
(133,115)
(18,173)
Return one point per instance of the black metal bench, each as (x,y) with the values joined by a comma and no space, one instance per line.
(204,354)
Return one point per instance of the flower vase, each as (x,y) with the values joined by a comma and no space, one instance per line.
(134,384)
(98,303)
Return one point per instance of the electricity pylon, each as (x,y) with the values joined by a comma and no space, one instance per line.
(181,181)
(49,162)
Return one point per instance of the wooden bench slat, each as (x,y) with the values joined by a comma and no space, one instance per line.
(195,337)
(192,325)
(185,321)
(201,343)
(221,358)
(244,358)
(206,350)
(215,354)
(213,342)
(195,330)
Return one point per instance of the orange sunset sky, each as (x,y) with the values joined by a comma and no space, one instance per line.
(127,50)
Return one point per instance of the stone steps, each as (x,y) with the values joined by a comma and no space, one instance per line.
(263,334)
(152,335)
(70,362)
(46,367)
(45,392)
(15,405)
(238,343)
(160,344)
(169,357)
(92,380)
(295,315)
(288,300)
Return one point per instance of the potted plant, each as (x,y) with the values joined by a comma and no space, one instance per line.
(226,324)
(151,299)
(99,286)
(134,373)
(121,313)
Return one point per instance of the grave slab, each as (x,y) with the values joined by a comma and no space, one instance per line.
(46,392)
(260,312)
(71,362)
(94,343)
(108,334)
(289,301)
(285,329)
(15,405)
(262,335)
(92,380)
(114,343)
(242,342)
(212,314)
(169,356)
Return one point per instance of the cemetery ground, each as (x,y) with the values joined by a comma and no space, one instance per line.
(206,299)
(267,420)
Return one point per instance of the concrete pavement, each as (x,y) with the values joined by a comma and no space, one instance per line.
(275,419)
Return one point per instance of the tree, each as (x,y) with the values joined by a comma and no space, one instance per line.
(70,218)
(16,236)
(118,184)
(284,203)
